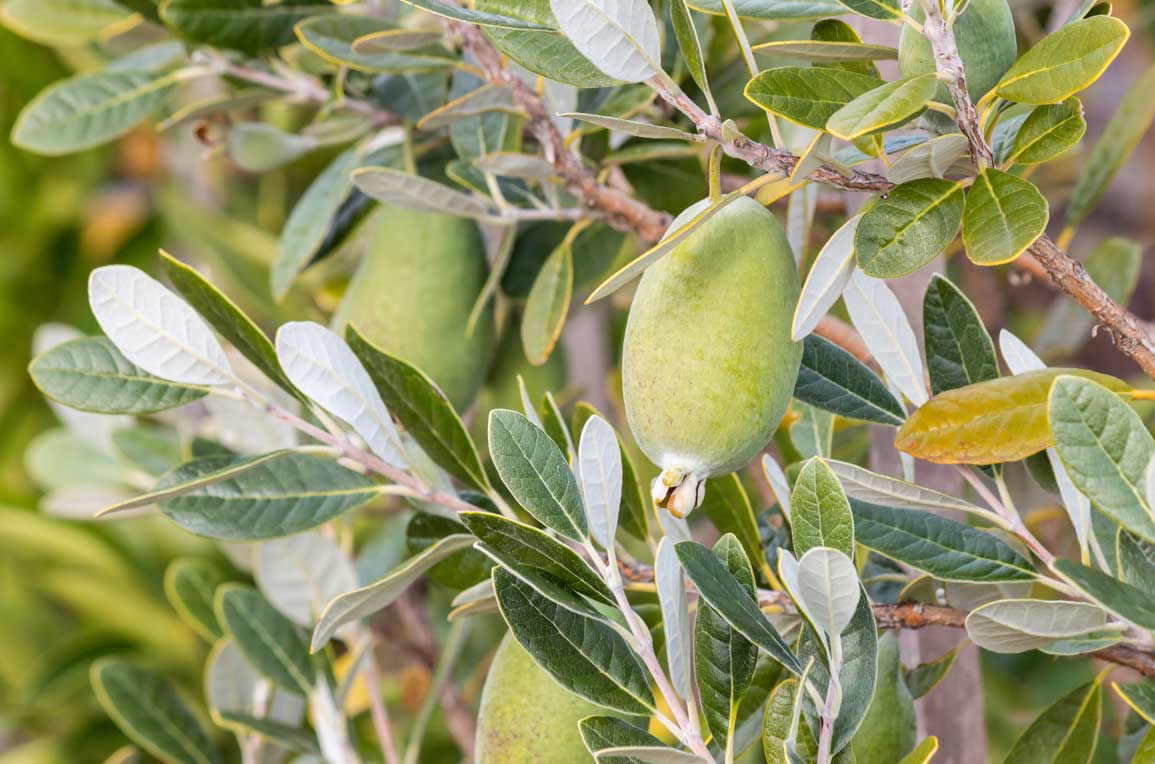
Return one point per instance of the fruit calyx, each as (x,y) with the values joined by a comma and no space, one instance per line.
(677,491)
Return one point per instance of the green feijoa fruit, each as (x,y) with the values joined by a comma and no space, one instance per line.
(525,716)
(985,35)
(708,365)
(413,293)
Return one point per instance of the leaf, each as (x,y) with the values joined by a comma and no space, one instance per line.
(827,583)
(1015,626)
(151,713)
(583,655)
(536,473)
(959,351)
(923,752)
(249,26)
(1064,62)
(864,485)
(813,432)
(779,485)
(413,192)
(1122,599)
(513,165)
(1004,215)
(651,755)
(1136,559)
(1140,696)
(423,410)
(223,315)
(772,9)
(635,502)
(1001,420)
(482,100)
(936,158)
(827,278)
(65,22)
(926,676)
(780,730)
(600,471)
(1066,733)
(293,738)
(89,110)
(878,317)
(279,496)
(730,510)
(324,368)
(396,40)
(190,585)
(473,16)
(689,43)
(1119,138)
(547,305)
(233,685)
(724,592)
(1048,132)
(547,51)
(300,574)
(827,51)
(620,38)
(724,660)
(944,548)
(884,106)
(522,546)
(833,380)
(633,127)
(602,732)
(154,328)
(808,96)
(90,374)
(363,602)
(1106,449)
(269,641)
(909,227)
(332,38)
(887,10)
(675,608)
(820,514)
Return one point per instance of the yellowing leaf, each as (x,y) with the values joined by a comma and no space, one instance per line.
(1002,420)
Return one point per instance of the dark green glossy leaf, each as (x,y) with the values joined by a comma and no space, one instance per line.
(1048,131)
(1066,733)
(959,351)
(250,26)
(191,585)
(909,227)
(819,512)
(833,380)
(601,732)
(807,95)
(273,644)
(1120,598)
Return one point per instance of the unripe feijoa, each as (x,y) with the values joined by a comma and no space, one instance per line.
(412,295)
(985,36)
(708,366)
(526,717)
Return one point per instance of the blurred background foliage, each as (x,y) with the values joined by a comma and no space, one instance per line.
(71,592)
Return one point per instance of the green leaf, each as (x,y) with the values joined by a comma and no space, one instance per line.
(545,51)
(1004,215)
(423,409)
(833,380)
(547,305)
(819,512)
(1001,420)
(1048,132)
(1106,448)
(730,510)
(228,319)
(909,227)
(190,585)
(273,644)
(924,677)
(1122,599)
(300,574)
(65,22)
(946,549)
(946,155)
(839,32)
(286,494)
(722,591)
(886,10)
(536,473)
(151,713)
(293,738)
(1015,626)
(1064,62)
(864,485)
(90,109)
(619,38)
(90,374)
(587,657)
(332,37)
(1136,560)
(813,432)
(827,51)
(250,26)
(689,43)
(959,351)
(1066,733)
(724,660)
(808,96)
(602,732)
(1119,138)
(472,16)
(367,600)
(522,546)
(632,127)
(1140,697)
(413,192)
(884,106)
(776,10)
